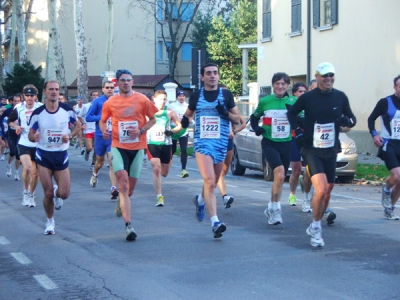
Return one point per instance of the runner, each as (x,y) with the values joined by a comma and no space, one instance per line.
(88,129)
(276,142)
(79,138)
(388,142)
(325,110)
(19,120)
(49,127)
(179,107)
(159,142)
(102,146)
(214,108)
(128,111)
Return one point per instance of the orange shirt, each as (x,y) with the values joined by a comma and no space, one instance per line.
(128,113)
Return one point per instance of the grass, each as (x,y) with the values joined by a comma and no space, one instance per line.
(372,172)
(189,151)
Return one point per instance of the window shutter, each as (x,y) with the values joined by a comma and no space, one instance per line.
(266,19)
(316,13)
(334,12)
(296,15)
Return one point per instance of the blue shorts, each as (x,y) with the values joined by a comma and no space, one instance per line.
(295,156)
(53,160)
(101,146)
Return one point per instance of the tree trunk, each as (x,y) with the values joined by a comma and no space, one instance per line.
(55,60)
(11,49)
(81,59)
(1,66)
(28,15)
(22,50)
(110,31)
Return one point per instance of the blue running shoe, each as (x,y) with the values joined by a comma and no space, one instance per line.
(218,228)
(199,209)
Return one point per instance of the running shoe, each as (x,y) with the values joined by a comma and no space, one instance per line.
(274,216)
(329,216)
(160,201)
(76,146)
(91,168)
(316,236)
(144,162)
(86,155)
(58,202)
(114,193)
(16,176)
(32,202)
(306,206)
(389,213)
(50,227)
(199,209)
(130,233)
(292,200)
(386,198)
(25,199)
(218,228)
(118,211)
(184,173)
(8,172)
(301,182)
(82,151)
(7,151)
(228,200)
(2,158)
(93,181)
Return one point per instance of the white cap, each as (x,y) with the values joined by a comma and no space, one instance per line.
(325,68)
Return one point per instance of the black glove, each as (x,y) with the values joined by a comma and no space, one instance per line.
(168,132)
(259,131)
(222,110)
(344,121)
(185,122)
(299,137)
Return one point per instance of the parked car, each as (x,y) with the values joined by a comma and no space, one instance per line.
(247,154)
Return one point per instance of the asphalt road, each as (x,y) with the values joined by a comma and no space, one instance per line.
(176,257)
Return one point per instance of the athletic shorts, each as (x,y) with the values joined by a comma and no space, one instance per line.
(295,156)
(230,145)
(101,146)
(89,135)
(31,151)
(129,160)
(320,161)
(276,153)
(163,152)
(390,154)
(13,140)
(53,160)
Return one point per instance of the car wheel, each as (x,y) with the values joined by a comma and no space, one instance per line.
(267,171)
(345,179)
(236,168)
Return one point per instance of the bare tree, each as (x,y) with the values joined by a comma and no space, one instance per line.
(55,59)
(11,50)
(81,58)
(21,33)
(28,15)
(110,31)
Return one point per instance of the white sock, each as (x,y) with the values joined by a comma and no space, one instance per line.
(214,219)
(306,195)
(159,195)
(200,200)
(26,191)
(50,220)
(385,190)
(316,224)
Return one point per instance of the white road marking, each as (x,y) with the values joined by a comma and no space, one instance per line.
(260,192)
(21,258)
(234,186)
(4,241)
(45,282)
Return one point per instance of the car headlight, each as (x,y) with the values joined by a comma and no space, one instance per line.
(351,149)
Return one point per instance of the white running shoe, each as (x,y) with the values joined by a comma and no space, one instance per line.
(389,213)
(306,206)
(386,198)
(316,236)
(8,172)
(16,176)
(58,202)
(2,158)
(93,181)
(25,199)
(32,202)
(274,216)
(50,228)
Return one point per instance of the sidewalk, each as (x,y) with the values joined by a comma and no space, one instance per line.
(369,159)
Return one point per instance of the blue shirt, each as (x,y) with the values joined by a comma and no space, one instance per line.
(94,113)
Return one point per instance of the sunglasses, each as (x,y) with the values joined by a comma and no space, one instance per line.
(125,79)
(109,87)
(328,75)
(29,95)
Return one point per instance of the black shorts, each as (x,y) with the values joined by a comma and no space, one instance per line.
(230,145)
(276,153)
(320,161)
(390,154)
(163,152)
(13,140)
(53,160)
(295,156)
(31,151)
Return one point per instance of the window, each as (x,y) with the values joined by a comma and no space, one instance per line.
(266,25)
(325,13)
(186,51)
(159,11)
(160,51)
(167,49)
(186,11)
(173,10)
(296,16)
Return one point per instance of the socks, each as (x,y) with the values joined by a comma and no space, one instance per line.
(316,224)
(200,200)
(214,219)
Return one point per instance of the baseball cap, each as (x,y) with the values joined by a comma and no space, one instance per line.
(325,68)
(180,93)
(79,98)
(30,91)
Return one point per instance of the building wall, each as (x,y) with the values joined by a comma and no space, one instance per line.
(364,47)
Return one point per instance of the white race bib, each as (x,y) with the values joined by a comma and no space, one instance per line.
(280,128)
(210,127)
(123,128)
(395,126)
(157,133)
(324,135)
(53,138)
(109,124)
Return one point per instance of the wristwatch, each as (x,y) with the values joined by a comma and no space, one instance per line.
(142,131)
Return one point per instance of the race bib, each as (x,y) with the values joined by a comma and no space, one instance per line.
(280,128)
(53,138)
(157,133)
(324,135)
(109,124)
(210,127)
(395,125)
(123,132)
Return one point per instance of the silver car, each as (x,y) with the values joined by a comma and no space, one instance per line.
(247,154)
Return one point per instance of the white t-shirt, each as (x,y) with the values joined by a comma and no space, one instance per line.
(24,116)
(90,126)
